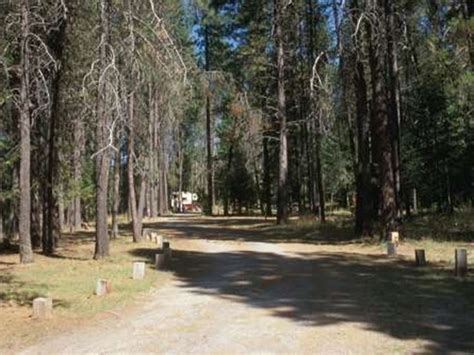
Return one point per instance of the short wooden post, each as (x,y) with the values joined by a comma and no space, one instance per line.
(395,238)
(167,250)
(146,233)
(160,260)
(103,287)
(138,270)
(420,257)
(460,268)
(42,308)
(391,249)
(159,241)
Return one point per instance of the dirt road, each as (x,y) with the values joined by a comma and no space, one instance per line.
(237,296)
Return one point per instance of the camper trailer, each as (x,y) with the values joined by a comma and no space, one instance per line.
(188,202)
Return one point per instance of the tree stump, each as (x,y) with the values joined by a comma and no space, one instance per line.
(160,259)
(391,249)
(42,308)
(420,257)
(395,238)
(460,268)
(103,287)
(138,270)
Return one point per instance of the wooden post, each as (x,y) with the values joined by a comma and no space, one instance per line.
(103,287)
(461,262)
(42,308)
(420,257)
(167,250)
(415,202)
(160,260)
(153,236)
(159,241)
(395,238)
(146,233)
(391,249)
(138,270)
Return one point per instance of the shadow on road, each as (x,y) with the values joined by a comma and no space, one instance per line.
(326,288)
(257,229)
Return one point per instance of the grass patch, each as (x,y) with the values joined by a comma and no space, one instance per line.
(69,278)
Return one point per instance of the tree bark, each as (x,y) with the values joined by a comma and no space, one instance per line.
(210,182)
(77,172)
(180,171)
(282,208)
(364,213)
(381,132)
(56,43)
(267,188)
(230,155)
(26,251)
(116,199)
(394,99)
(317,124)
(134,211)
(102,158)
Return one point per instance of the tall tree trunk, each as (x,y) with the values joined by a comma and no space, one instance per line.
(210,182)
(136,222)
(282,207)
(394,95)
(165,190)
(77,171)
(267,188)
(319,174)
(136,211)
(141,202)
(56,41)
(102,158)
(116,197)
(258,189)
(317,124)
(2,234)
(310,165)
(36,230)
(180,171)
(228,172)
(381,132)
(26,251)
(364,213)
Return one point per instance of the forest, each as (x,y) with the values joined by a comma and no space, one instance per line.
(291,153)
(277,107)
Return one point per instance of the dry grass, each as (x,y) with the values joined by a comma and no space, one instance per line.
(69,278)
